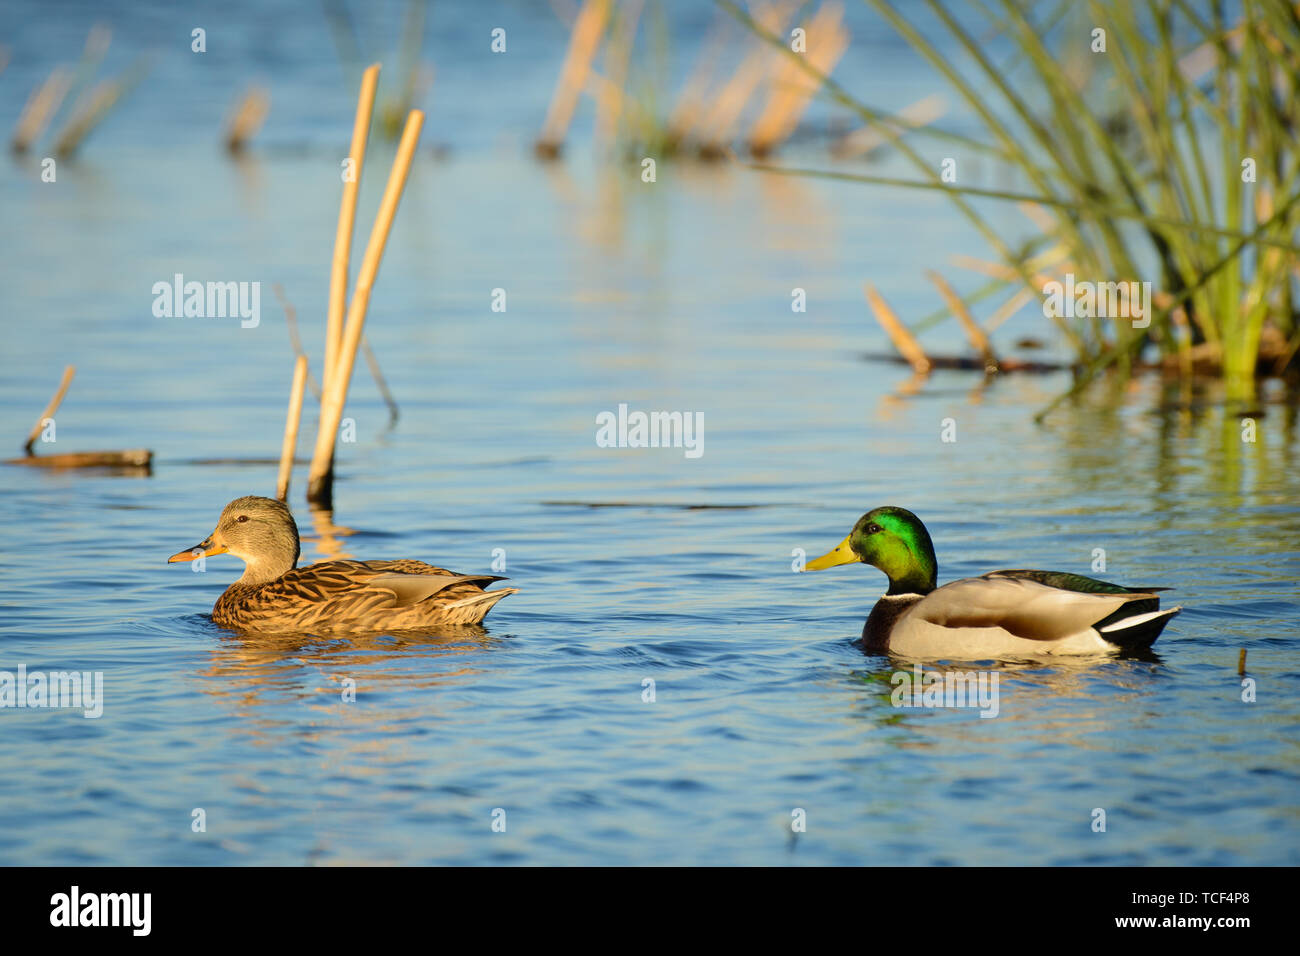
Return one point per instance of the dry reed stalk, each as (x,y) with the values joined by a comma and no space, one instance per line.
(618,55)
(347,216)
(247,118)
(1193,65)
(862,141)
(691,100)
(45,102)
(1241,663)
(716,126)
(291,421)
(1182,328)
(903,340)
(40,107)
(1009,308)
(1040,279)
(792,87)
(50,409)
(321,478)
(291,320)
(92,55)
(415,89)
(377,374)
(1289,350)
(587,31)
(996,270)
(974,333)
(605,91)
(408,73)
(1039,216)
(1056,259)
(97,105)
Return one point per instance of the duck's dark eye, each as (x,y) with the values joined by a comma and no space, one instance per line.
(873,528)
(242,518)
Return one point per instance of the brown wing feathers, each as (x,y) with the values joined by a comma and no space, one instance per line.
(350,594)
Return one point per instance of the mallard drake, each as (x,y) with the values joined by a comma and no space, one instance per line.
(1001,614)
(333,596)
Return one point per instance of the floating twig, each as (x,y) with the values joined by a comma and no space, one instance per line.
(1241,663)
(133,459)
(965,363)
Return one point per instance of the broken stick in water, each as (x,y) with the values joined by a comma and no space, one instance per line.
(903,340)
(133,459)
(291,320)
(973,332)
(393,411)
(587,31)
(792,89)
(91,109)
(247,118)
(291,427)
(47,416)
(41,106)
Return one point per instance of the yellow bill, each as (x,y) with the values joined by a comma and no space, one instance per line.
(205,549)
(843,554)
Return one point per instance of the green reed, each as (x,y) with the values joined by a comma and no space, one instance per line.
(1169,157)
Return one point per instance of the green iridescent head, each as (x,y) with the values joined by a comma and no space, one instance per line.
(893,540)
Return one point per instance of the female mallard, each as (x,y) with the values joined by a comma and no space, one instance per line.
(1002,614)
(333,596)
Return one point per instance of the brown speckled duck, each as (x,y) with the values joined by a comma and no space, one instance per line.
(333,596)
